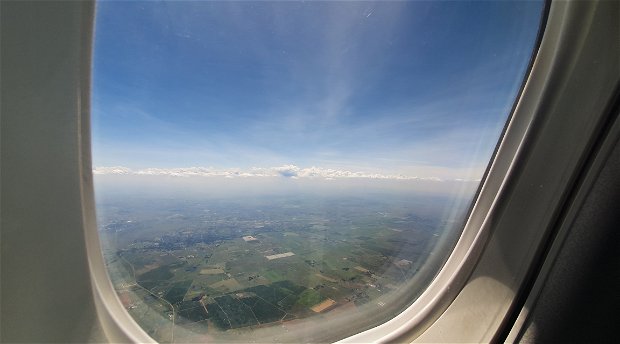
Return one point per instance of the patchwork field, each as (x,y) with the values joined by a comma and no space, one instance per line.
(236,267)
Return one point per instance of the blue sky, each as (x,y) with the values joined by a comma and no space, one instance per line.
(397,88)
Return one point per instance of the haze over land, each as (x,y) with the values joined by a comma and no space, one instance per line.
(194,263)
(203,253)
(217,183)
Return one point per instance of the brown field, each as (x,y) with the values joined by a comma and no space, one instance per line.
(125,298)
(327,278)
(211,271)
(147,268)
(281,255)
(227,285)
(318,308)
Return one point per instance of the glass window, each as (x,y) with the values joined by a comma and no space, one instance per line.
(293,171)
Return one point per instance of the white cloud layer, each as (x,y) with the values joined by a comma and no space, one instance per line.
(286,171)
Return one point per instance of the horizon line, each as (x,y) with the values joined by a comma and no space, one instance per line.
(284,171)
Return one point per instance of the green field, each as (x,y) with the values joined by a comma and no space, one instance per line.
(177,292)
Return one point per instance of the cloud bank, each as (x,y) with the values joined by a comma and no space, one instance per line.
(286,171)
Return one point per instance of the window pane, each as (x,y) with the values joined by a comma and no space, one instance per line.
(283,170)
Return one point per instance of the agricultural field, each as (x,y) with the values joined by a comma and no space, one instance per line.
(222,266)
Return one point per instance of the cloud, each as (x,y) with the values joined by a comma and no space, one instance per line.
(289,171)
(285,171)
(112,170)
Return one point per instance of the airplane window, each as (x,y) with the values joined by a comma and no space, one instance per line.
(293,171)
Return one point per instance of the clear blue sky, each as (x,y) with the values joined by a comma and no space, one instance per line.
(416,88)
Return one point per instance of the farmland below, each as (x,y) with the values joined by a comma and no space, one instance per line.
(215,267)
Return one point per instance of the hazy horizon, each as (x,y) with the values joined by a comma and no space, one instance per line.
(223,187)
